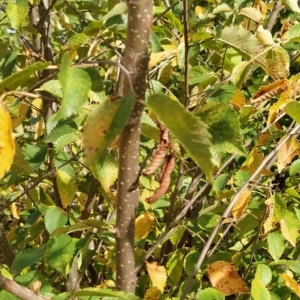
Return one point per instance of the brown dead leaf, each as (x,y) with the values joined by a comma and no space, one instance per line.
(225,279)
(267,91)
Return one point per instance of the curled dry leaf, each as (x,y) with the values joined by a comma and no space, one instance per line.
(160,153)
(225,279)
(165,181)
(270,90)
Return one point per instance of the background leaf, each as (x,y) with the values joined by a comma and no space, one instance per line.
(190,131)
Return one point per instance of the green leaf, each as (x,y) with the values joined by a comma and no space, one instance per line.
(264,273)
(290,227)
(210,294)
(54,218)
(59,253)
(190,131)
(293,34)
(295,167)
(175,265)
(279,207)
(26,258)
(106,171)
(259,291)
(77,40)
(275,245)
(20,165)
(7,296)
(75,85)
(293,110)
(53,87)
(118,9)
(102,127)
(292,4)
(294,265)
(17,79)
(190,261)
(100,292)
(35,154)
(70,228)
(17,12)
(177,235)
(224,127)
(243,41)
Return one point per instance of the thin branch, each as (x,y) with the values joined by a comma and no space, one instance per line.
(18,290)
(186,51)
(40,180)
(274,15)
(229,209)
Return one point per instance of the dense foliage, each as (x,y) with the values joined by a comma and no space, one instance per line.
(218,215)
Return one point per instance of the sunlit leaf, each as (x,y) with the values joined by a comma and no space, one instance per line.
(175,266)
(7,144)
(210,294)
(290,227)
(158,275)
(293,110)
(238,100)
(225,279)
(75,85)
(143,225)
(287,152)
(291,283)
(275,245)
(66,187)
(292,4)
(258,290)
(252,13)
(264,273)
(107,293)
(17,12)
(103,126)
(241,204)
(54,218)
(190,131)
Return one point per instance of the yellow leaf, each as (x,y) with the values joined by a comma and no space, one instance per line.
(252,13)
(152,293)
(66,187)
(7,144)
(143,225)
(291,283)
(238,100)
(241,204)
(264,36)
(158,275)
(158,57)
(14,211)
(39,127)
(254,161)
(286,153)
(225,279)
(23,109)
(200,12)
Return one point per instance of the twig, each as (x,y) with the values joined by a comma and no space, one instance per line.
(18,290)
(229,208)
(186,51)
(40,180)
(274,15)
